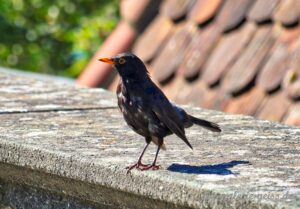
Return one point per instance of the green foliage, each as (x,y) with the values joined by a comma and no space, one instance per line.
(54,36)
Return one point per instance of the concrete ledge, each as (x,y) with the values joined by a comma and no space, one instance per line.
(63,145)
(39,76)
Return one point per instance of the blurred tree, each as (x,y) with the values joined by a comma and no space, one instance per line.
(54,37)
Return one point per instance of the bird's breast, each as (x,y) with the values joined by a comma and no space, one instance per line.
(132,110)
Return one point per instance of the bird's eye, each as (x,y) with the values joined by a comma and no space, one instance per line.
(122,61)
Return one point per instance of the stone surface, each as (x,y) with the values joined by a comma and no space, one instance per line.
(18,94)
(80,154)
(21,196)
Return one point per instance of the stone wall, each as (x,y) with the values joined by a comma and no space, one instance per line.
(67,147)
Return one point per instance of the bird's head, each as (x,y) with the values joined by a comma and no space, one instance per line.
(128,65)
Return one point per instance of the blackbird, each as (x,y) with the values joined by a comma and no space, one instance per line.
(147,110)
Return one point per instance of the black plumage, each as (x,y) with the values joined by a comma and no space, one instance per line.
(147,110)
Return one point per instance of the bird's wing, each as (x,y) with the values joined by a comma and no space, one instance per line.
(166,113)
(181,113)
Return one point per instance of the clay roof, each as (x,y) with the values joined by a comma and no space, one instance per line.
(235,56)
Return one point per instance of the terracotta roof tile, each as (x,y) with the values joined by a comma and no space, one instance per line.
(130,14)
(262,10)
(288,12)
(293,90)
(294,58)
(176,9)
(172,54)
(139,13)
(291,81)
(213,99)
(184,93)
(233,13)
(290,36)
(195,94)
(246,67)
(293,116)
(290,77)
(217,99)
(199,50)
(275,68)
(204,10)
(151,41)
(274,108)
(113,85)
(236,56)
(171,88)
(226,52)
(247,103)
(151,73)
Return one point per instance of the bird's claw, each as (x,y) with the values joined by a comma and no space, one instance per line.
(138,165)
(151,167)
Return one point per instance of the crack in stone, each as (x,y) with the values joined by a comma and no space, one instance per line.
(58,110)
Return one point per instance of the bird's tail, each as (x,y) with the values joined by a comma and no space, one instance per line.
(205,124)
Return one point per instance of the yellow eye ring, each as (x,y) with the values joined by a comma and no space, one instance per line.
(122,61)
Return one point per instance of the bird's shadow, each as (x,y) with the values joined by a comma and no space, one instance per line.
(219,169)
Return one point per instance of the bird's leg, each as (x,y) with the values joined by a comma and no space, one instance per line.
(153,166)
(139,162)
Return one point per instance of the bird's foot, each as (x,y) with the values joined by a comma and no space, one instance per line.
(137,165)
(151,167)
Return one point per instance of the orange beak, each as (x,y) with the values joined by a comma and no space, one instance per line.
(107,60)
